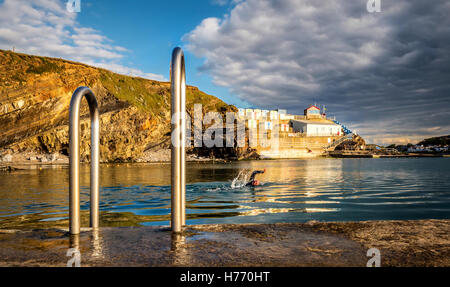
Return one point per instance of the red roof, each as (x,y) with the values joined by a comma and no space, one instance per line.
(312,106)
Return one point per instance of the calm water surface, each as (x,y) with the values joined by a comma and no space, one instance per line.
(292,191)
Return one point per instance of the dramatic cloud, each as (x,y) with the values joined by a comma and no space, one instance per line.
(45,27)
(385,74)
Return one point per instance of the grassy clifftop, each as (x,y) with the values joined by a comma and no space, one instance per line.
(439,141)
(151,96)
(35,94)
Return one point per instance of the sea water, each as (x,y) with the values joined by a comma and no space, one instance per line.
(322,189)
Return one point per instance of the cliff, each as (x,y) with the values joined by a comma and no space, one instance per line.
(35,93)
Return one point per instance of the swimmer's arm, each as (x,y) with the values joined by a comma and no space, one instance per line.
(252,177)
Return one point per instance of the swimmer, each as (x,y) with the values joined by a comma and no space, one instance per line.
(253,181)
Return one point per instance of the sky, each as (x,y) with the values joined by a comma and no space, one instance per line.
(384,74)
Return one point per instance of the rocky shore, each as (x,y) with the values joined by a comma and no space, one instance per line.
(20,160)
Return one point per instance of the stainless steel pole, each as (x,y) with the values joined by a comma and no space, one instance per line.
(74,159)
(183,145)
(178,156)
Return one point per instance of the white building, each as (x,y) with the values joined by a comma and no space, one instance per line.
(286,117)
(268,125)
(252,124)
(241,113)
(316,128)
(273,115)
(284,127)
(417,148)
(257,113)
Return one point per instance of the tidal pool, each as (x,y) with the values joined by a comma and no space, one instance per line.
(321,189)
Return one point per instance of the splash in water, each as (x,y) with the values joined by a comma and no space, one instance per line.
(241,179)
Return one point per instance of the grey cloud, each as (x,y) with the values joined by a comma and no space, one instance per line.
(387,74)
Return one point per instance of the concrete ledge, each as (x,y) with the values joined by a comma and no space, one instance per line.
(401,243)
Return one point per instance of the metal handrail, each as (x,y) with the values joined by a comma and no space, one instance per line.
(178,153)
(74,159)
(339,141)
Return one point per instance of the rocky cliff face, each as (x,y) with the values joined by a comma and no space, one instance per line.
(356,143)
(35,93)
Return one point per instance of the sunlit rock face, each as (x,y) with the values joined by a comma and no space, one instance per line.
(35,94)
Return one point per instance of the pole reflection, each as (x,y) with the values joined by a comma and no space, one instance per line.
(97,243)
(179,252)
(74,241)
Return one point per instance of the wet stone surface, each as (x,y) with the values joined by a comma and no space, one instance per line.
(401,243)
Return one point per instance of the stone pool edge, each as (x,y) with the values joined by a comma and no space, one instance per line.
(401,243)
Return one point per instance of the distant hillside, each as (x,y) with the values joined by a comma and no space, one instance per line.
(35,94)
(440,141)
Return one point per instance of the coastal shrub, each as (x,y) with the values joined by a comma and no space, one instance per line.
(133,90)
(44,67)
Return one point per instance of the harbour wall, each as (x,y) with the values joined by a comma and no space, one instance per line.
(295,146)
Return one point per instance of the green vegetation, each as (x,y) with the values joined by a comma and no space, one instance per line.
(438,141)
(18,78)
(209,103)
(45,67)
(139,92)
(107,219)
(154,96)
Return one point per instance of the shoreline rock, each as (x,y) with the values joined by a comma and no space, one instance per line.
(12,162)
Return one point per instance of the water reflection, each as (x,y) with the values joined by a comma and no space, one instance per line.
(97,243)
(87,245)
(74,241)
(293,190)
(179,255)
(178,241)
